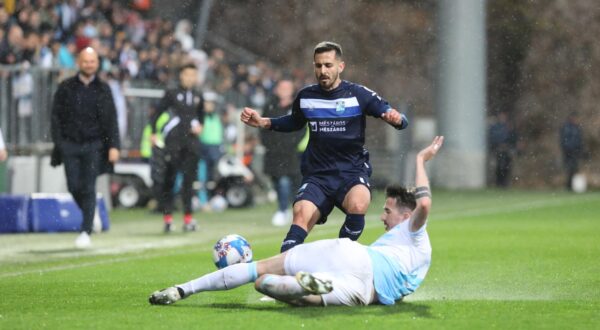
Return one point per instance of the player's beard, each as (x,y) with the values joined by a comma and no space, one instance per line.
(329,84)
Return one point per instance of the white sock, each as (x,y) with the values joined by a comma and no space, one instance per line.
(280,287)
(223,279)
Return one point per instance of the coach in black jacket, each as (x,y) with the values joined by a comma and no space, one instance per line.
(85,135)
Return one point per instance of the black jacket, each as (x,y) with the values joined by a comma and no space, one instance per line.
(84,114)
(184,106)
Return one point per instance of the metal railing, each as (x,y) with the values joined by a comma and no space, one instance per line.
(26,95)
(25,105)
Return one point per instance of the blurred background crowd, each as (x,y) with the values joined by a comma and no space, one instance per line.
(539,69)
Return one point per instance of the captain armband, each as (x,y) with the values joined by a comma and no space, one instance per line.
(421,192)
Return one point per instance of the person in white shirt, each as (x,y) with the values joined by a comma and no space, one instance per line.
(341,271)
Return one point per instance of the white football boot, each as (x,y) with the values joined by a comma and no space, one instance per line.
(166,296)
(312,284)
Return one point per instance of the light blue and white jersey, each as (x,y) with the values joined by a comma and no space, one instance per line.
(400,260)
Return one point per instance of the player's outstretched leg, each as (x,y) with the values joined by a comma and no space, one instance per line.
(224,279)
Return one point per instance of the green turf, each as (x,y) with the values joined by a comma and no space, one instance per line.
(501,259)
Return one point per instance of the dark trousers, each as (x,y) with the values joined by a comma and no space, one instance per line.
(82,166)
(179,158)
(571,162)
(503,168)
(283,187)
(210,153)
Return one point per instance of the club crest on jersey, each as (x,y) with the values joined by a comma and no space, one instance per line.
(340,106)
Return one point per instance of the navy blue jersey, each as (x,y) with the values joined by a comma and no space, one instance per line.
(337,121)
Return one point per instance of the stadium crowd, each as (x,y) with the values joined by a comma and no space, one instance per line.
(49,34)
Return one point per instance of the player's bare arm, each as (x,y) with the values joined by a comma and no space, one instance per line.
(252,118)
(422,193)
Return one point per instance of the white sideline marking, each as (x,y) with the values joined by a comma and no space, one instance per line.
(536,204)
(137,248)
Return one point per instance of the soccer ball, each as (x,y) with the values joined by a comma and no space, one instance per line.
(231,249)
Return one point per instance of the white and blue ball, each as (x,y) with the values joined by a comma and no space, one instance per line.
(231,249)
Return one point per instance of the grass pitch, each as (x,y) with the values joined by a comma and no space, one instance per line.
(501,259)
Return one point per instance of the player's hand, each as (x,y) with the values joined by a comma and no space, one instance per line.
(3,155)
(250,117)
(430,151)
(113,155)
(153,139)
(392,117)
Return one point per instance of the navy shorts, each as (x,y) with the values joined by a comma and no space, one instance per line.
(329,191)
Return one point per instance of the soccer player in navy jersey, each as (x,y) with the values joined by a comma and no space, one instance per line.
(335,166)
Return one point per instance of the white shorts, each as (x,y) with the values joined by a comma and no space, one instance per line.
(346,263)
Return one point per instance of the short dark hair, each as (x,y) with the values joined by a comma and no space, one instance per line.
(327,46)
(188,66)
(404,197)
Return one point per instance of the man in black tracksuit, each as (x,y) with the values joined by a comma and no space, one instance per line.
(181,143)
(85,135)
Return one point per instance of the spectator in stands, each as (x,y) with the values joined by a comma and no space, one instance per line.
(31,47)
(46,55)
(280,162)
(183,31)
(571,143)
(85,135)
(66,55)
(11,51)
(48,17)
(4,18)
(211,143)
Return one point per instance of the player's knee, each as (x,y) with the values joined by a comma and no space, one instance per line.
(358,206)
(263,285)
(258,283)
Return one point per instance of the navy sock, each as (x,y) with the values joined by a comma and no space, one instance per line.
(353,226)
(295,236)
